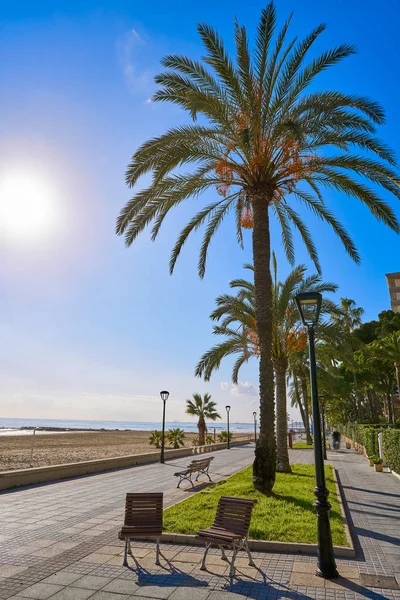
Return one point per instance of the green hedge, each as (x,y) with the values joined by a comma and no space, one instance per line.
(367,435)
(391,448)
(371,441)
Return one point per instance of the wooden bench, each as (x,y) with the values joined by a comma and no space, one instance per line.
(143,518)
(229,530)
(199,466)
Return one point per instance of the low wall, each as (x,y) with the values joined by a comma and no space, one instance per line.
(21,477)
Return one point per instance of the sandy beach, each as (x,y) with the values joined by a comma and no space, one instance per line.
(59,448)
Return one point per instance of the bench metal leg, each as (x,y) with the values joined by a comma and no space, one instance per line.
(185,478)
(203,562)
(158,551)
(125,563)
(251,561)
(232,569)
(223,555)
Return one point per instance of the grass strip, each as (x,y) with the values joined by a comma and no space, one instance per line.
(286,515)
(302,445)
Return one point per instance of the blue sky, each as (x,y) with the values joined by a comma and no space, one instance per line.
(88,328)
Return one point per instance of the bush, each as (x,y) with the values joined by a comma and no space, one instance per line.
(367,435)
(223,436)
(391,448)
(371,441)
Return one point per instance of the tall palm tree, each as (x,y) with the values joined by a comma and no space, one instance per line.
(299,372)
(204,408)
(236,315)
(262,133)
(349,318)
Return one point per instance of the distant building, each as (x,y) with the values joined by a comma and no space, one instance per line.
(393,281)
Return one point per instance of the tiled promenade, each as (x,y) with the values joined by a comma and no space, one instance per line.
(59,541)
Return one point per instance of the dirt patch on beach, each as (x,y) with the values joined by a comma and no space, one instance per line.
(60,448)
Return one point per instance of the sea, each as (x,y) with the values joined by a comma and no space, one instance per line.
(10,426)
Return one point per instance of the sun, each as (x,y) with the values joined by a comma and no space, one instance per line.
(28,206)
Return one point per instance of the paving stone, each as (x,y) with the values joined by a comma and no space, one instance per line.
(10,570)
(109,596)
(91,582)
(121,586)
(189,557)
(154,591)
(113,550)
(96,558)
(307,579)
(40,591)
(225,595)
(70,593)
(62,578)
(190,593)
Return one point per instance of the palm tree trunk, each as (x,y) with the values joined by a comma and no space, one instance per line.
(201,425)
(282,454)
(264,466)
(298,399)
(304,392)
(356,392)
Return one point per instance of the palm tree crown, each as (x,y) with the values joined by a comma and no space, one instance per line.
(264,132)
(203,408)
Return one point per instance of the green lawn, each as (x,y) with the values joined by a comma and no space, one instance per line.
(302,445)
(287,515)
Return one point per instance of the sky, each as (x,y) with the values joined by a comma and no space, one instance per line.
(88,328)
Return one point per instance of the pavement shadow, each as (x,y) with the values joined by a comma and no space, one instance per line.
(384,505)
(171,577)
(383,537)
(369,491)
(252,588)
(352,528)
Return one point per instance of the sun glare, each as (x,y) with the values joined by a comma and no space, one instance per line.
(27,206)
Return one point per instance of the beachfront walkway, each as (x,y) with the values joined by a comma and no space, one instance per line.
(59,541)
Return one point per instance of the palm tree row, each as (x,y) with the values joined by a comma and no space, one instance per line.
(265,144)
(236,317)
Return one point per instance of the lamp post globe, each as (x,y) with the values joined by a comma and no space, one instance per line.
(164,397)
(228,408)
(255,426)
(309,306)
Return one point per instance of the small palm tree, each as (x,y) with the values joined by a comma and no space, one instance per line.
(209,439)
(204,408)
(223,436)
(265,144)
(155,439)
(176,437)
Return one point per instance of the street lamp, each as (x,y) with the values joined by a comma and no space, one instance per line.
(255,426)
(322,402)
(228,408)
(164,397)
(309,305)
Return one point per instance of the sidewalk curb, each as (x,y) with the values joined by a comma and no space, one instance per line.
(262,545)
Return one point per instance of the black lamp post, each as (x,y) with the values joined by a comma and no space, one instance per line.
(164,397)
(322,402)
(309,305)
(255,426)
(228,408)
